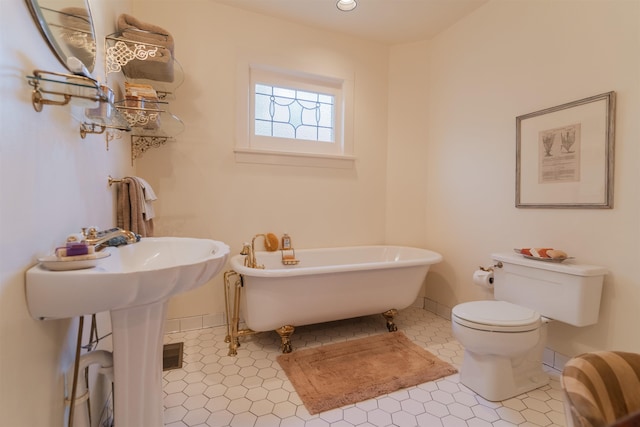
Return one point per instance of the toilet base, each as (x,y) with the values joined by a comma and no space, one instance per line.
(498,378)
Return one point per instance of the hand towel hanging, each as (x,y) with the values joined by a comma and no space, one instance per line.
(130,208)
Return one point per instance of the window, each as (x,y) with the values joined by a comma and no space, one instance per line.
(294,115)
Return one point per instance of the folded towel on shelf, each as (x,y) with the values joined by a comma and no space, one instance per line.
(149,198)
(156,65)
(142,32)
(130,208)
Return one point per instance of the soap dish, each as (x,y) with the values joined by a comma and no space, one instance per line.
(81,262)
(289,258)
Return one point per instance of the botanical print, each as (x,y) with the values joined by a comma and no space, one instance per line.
(559,154)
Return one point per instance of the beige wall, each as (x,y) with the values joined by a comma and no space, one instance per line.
(407,145)
(508,59)
(204,192)
(51,184)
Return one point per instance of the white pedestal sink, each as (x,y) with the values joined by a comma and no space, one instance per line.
(134,285)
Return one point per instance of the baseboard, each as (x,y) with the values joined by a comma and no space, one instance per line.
(437,308)
(554,360)
(182,324)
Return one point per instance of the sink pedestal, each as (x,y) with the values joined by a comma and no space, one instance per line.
(137,365)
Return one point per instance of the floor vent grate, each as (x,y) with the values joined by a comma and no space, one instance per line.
(172,356)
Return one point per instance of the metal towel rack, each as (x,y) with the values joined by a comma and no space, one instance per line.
(113,180)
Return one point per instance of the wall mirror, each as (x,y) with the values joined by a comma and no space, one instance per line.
(67,27)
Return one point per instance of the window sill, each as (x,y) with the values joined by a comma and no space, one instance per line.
(285,158)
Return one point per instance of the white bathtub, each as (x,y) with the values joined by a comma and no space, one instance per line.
(330,284)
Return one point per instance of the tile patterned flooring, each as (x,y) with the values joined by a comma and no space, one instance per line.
(213,389)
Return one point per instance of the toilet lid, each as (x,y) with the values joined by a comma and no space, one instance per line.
(498,316)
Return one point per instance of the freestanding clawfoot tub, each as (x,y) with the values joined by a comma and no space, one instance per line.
(325,285)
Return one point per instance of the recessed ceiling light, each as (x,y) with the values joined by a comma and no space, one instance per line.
(346,5)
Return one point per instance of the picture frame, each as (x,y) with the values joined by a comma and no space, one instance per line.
(565,155)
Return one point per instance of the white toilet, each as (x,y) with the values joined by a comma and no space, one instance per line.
(504,338)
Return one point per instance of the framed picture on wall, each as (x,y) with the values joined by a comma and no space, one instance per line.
(564,155)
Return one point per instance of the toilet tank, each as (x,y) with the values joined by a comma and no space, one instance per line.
(567,292)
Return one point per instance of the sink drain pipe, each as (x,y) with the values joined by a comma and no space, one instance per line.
(104,359)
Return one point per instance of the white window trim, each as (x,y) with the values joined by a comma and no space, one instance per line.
(247,151)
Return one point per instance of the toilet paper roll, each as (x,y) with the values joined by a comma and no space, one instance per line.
(483,278)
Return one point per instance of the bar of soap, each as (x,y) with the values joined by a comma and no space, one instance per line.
(77,248)
(557,254)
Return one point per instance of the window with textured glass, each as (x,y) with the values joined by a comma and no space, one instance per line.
(294,117)
(293,113)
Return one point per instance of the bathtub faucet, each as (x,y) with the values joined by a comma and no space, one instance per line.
(250,251)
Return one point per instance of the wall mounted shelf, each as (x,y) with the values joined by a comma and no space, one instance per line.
(91,103)
(143,63)
(151,127)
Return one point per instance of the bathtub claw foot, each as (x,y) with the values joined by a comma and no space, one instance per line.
(233,346)
(389,315)
(285,333)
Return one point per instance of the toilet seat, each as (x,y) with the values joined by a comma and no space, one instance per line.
(496,316)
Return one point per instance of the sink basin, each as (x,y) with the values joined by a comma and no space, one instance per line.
(134,284)
(151,270)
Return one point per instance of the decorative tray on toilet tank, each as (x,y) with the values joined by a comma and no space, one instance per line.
(543,254)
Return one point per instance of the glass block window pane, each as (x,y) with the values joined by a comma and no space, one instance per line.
(294,114)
